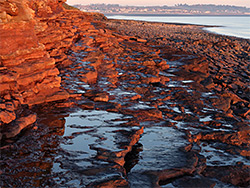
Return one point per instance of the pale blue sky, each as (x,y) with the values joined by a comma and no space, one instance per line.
(162,2)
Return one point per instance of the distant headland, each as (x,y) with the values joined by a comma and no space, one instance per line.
(179,9)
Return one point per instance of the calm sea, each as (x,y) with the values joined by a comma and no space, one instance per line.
(238,26)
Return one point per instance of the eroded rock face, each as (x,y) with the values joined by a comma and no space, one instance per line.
(28,75)
(14,10)
(46,8)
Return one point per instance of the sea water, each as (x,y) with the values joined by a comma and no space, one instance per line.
(238,26)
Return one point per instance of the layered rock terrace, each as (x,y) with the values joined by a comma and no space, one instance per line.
(152,104)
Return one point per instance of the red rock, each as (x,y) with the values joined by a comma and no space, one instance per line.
(35,128)
(91,77)
(8,77)
(33,66)
(240,138)
(101,98)
(163,65)
(119,156)
(29,69)
(54,94)
(136,97)
(7,117)
(2,106)
(149,63)
(141,40)
(111,183)
(152,80)
(7,97)
(38,76)
(46,8)
(47,83)
(237,175)
(17,38)
(222,103)
(146,115)
(246,113)
(21,56)
(9,7)
(9,106)
(245,153)
(5,87)
(19,125)
(164,79)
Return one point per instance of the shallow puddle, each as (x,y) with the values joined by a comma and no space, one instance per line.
(161,149)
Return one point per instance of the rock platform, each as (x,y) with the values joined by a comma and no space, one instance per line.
(91,102)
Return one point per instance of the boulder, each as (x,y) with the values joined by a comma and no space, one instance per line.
(16,127)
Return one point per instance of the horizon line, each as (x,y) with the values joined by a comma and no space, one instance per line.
(161,5)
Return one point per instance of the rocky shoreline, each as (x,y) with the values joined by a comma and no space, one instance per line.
(222,60)
(116,103)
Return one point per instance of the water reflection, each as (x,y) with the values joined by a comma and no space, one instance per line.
(29,161)
(72,150)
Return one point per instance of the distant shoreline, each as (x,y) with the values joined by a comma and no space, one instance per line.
(184,15)
(168,23)
(212,25)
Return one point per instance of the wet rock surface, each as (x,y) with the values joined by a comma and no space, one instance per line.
(149,105)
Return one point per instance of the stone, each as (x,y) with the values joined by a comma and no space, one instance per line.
(14,129)
(136,97)
(91,77)
(5,88)
(208,82)
(2,106)
(111,183)
(7,116)
(237,175)
(153,80)
(149,63)
(9,7)
(101,98)
(194,182)
(27,70)
(141,40)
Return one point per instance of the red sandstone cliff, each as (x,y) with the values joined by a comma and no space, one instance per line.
(28,74)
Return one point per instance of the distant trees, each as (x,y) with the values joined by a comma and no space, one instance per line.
(212,7)
(177,9)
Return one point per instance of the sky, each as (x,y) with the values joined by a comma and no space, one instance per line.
(162,2)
